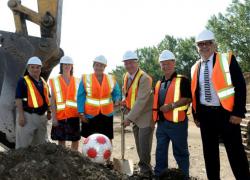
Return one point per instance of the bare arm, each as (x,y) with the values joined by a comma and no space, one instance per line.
(21,119)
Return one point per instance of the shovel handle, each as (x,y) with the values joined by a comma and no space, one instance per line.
(122,134)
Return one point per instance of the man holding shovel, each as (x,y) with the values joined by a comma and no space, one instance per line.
(138,100)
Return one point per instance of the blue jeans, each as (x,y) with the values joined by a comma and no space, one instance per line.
(177,133)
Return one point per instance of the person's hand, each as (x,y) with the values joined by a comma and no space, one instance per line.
(49,115)
(235,120)
(123,103)
(197,123)
(21,120)
(83,118)
(126,122)
(166,108)
(117,103)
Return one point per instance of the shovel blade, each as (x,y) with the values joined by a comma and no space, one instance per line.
(124,166)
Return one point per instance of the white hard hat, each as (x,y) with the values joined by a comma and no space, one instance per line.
(101,59)
(166,55)
(128,55)
(205,35)
(34,60)
(66,60)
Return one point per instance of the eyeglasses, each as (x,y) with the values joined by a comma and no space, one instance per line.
(204,43)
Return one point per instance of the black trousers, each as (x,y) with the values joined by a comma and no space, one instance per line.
(214,122)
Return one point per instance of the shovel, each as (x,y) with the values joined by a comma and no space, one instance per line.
(122,165)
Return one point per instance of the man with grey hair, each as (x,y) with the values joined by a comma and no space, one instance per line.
(218,103)
(137,90)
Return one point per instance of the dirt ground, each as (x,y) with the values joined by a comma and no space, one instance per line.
(197,167)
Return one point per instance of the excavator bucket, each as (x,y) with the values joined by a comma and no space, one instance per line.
(16,48)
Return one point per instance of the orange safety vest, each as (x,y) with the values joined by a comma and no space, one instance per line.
(98,97)
(131,92)
(65,96)
(221,80)
(35,99)
(173,95)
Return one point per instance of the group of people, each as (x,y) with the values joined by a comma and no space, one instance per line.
(82,107)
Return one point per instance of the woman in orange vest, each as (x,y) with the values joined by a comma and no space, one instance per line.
(66,123)
(96,94)
(171,99)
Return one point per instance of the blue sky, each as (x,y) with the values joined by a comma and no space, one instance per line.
(111,27)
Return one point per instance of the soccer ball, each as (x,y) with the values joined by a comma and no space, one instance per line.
(97,147)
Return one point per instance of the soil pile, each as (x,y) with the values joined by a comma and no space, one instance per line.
(49,161)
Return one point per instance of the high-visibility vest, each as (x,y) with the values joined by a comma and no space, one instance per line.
(173,95)
(65,96)
(35,99)
(98,96)
(221,80)
(131,92)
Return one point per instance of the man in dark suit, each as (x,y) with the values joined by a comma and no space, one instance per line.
(218,105)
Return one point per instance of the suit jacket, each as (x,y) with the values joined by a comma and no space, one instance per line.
(141,113)
(238,82)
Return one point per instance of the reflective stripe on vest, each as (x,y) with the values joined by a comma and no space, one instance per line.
(225,66)
(65,96)
(97,102)
(58,89)
(34,98)
(221,80)
(32,91)
(132,91)
(176,98)
(88,84)
(62,106)
(98,96)
(176,115)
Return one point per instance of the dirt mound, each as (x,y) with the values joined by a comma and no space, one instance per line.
(174,174)
(49,161)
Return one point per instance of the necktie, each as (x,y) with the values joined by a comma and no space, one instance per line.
(208,96)
(129,82)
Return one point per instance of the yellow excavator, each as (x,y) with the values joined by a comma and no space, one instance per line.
(16,48)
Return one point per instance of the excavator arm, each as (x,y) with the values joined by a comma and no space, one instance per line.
(16,48)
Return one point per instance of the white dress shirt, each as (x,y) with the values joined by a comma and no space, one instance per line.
(215,99)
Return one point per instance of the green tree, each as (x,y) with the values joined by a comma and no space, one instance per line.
(148,61)
(118,73)
(232,31)
(184,50)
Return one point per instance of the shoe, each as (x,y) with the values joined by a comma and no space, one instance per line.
(155,177)
(147,175)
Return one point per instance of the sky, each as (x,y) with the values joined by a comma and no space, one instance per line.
(111,27)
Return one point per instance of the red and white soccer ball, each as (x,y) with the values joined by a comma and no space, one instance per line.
(97,147)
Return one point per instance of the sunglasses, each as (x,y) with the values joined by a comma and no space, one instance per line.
(204,43)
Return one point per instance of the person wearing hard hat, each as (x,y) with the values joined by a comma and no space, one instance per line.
(218,105)
(65,117)
(32,101)
(138,100)
(97,94)
(172,96)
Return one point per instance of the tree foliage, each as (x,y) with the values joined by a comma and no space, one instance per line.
(184,50)
(232,31)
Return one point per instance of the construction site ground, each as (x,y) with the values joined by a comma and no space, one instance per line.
(197,167)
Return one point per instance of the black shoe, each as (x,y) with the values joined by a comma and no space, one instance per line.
(154,177)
